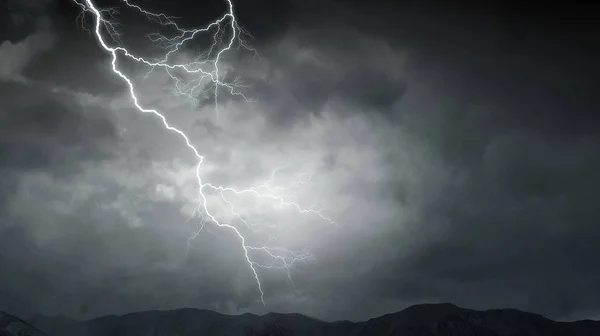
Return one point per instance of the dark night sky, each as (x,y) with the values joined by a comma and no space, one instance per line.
(455,145)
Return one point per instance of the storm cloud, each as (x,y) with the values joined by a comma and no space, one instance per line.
(453,175)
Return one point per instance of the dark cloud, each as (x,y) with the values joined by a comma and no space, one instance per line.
(518,230)
(20,18)
(15,56)
(458,151)
(41,130)
(510,223)
(307,70)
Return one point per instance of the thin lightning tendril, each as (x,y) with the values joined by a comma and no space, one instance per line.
(281,258)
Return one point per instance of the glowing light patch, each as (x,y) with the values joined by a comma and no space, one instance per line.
(206,69)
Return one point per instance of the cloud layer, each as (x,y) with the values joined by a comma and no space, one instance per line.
(441,193)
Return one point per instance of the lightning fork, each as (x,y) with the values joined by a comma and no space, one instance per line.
(105,18)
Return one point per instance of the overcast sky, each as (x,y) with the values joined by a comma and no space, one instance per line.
(455,147)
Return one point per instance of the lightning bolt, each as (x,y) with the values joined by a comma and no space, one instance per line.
(206,71)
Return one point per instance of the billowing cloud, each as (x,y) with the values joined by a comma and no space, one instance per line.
(14,57)
(17,51)
(440,192)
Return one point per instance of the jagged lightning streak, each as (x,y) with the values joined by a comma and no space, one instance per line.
(104,18)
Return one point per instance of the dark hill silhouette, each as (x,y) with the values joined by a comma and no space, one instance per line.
(420,320)
(13,326)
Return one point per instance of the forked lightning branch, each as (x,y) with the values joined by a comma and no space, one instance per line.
(227,36)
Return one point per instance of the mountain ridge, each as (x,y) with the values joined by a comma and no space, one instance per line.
(14,326)
(419,320)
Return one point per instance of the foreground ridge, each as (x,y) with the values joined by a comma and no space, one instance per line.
(13,326)
(420,320)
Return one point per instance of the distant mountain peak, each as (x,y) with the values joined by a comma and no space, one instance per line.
(438,319)
(446,307)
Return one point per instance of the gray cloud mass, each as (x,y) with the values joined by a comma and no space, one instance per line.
(446,185)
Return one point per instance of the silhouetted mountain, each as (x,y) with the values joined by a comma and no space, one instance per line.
(420,320)
(12,326)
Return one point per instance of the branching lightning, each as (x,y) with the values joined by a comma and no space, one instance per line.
(205,70)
